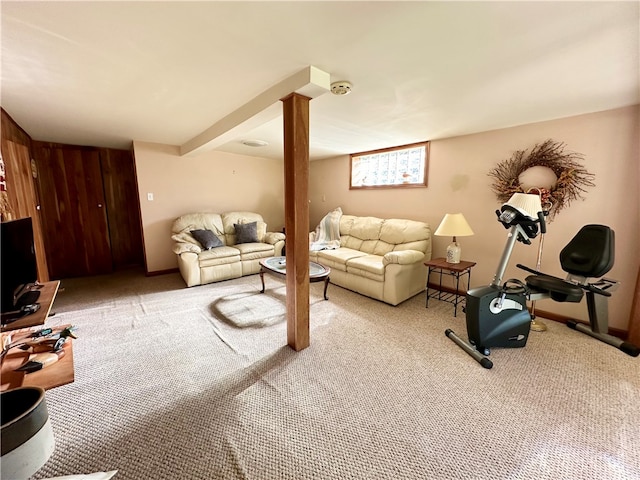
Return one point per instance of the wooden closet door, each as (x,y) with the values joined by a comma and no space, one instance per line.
(123,207)
(73,210)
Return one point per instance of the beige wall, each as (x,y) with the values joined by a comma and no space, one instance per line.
(458,182)
(209,182)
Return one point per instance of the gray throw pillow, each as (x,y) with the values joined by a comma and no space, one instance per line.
(207,239)
(246,232)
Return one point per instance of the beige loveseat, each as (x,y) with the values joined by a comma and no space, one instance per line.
(382,259)
(231,258)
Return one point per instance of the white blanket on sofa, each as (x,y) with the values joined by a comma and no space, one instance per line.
(327,234)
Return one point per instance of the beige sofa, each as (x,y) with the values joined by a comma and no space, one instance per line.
(231,259)
(382,259)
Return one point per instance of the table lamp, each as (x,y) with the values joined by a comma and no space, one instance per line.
(454,225)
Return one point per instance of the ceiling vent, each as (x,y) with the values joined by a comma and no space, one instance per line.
(341,88)
(255,143)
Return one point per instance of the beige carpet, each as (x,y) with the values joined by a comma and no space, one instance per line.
(198,383)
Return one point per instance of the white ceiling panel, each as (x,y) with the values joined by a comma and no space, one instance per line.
(107,73)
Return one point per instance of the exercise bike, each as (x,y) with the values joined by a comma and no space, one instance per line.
(497,314)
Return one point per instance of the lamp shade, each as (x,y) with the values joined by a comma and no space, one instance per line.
(528,204)
(454,225)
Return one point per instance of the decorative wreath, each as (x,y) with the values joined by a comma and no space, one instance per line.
(572,177)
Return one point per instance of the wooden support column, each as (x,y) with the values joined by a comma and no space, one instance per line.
(296,212)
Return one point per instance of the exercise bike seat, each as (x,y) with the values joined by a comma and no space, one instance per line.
(557,288)
(589,254)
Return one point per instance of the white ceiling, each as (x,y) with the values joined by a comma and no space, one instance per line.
(107,73)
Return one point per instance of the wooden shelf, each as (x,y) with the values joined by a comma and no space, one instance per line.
(47,296)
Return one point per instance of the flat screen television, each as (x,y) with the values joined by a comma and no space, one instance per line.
(19,267)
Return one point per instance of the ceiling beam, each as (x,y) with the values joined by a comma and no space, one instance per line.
(310,82)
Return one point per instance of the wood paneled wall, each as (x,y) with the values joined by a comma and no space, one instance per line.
(21,190)
(84,202)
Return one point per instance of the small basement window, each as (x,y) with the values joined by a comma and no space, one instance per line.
(396,167)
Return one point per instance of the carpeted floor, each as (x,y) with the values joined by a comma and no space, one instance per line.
(198,383)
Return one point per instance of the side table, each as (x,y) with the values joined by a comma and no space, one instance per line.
(441,267)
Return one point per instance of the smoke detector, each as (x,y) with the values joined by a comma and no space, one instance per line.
(341,88)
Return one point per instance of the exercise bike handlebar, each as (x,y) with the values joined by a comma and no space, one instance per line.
(528,269)
(542,222)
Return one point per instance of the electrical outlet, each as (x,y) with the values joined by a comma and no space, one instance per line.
(150,197)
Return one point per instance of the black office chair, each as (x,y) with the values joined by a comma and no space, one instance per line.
(590,254)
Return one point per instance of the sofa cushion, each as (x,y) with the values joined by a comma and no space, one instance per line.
(229,219)
(338,258)
(247,248)
(399,231)
(218,256)
(197,221)
(246,232)
(382,248)
(207,239)
(367,263)
(360,233)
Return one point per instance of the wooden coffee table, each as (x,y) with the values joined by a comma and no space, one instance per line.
(278,266)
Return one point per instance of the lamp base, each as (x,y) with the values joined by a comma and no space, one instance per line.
(454,253)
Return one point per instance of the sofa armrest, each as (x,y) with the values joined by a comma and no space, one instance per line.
(189,268)
(185,242)
(402,257)
(273,237)
(182,247)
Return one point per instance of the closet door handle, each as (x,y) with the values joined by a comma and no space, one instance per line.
(99,205)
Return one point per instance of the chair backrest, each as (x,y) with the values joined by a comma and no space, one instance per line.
(590,253)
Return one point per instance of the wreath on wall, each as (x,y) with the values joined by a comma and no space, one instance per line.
(571,182)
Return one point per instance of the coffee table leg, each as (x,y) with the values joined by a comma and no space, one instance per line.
(262,280)
(326,284)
